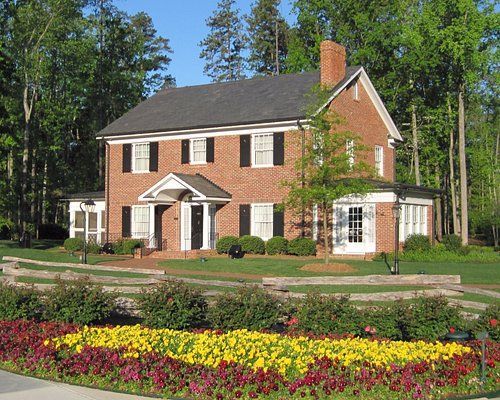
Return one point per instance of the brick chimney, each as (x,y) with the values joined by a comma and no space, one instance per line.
(332,63)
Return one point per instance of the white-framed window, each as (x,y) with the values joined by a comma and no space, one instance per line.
(355,91)
(140,158)
(262,149)
(379,160)
(262,220)
(198,151)
(407,221)
(140,221)
(413,221)
(349,148)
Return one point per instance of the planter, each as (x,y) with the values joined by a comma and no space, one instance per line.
(457,336)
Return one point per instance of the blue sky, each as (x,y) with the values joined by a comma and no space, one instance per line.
(183,22)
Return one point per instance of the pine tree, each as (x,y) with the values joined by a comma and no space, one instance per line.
(267,31)
(223,46)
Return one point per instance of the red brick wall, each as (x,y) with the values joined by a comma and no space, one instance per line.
(246,185)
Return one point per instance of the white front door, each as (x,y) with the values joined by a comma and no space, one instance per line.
(354,229)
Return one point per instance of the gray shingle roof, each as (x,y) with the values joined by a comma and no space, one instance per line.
(257,100)
(85,196)
(203,185)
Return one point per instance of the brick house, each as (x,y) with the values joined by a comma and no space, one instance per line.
(191,164)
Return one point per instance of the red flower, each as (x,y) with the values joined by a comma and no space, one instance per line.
(367,328)
(452,330)
(292,321)
(493,322)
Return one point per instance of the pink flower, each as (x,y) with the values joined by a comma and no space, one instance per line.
(368,328)
(292,321)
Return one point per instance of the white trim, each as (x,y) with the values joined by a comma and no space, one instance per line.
(185,231)
(140,171)
(191,152)
(252,219)
(132,222)
(153,191)
(384,197)
(340,229)
(233,130)
(355,93)
(252,147)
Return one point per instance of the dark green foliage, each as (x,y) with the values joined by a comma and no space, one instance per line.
(428,318)
(126,246)
(78,301)
(302,247)
(173,305)
(488,321)
(327,314)
(452,243)
(73,244)
(224,244)
(417,242)
(52,231)
(19,302)
(6,228)
(277,245)
(248,308)
(381,322)
(93,248)
(252,244)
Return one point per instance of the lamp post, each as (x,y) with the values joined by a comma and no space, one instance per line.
(89,206)
(396,212)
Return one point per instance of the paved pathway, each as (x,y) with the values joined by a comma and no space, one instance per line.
(17,387)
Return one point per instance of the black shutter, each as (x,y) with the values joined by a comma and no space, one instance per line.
(244,219)
(185,151)
(153,157)
(279,148)
(126,221)
(127,158)
(278,221)
(210,150)
(244,150)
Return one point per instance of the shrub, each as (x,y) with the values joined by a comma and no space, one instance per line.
(302,247)
(277,245)
(172,304)
(126,246)
(428,318)
(249,308)
(381,322)
(73,244)
(252,244)
(6,228)
(78,301)
(489,321)
(326,314)
(93,248)
(19,302)
(452,243)
(417,242)
(224,244)
(52,231)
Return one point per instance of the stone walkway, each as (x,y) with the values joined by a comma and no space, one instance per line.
(17,387)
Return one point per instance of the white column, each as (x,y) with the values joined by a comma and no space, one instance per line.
(152,225)
(206,227)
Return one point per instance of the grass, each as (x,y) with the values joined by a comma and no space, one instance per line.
(46,250)
(471,273)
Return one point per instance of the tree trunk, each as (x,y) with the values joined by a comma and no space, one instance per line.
(414,132)
(9,185)
(24,179)
(464,212)
(325,233)
(451,161)
(438,208)
(44,194)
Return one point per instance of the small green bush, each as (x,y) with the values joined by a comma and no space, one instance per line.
(224,244)
(6,228)
(428,318)
(19,302)
(489,321)
(73,244)
(172,304)
(79,302)
(93,248)
(326,314)
(452,243)
(252,244)
(249,308)
(302,247)
(381,322)
(277,245)
(126,246)
(417,242)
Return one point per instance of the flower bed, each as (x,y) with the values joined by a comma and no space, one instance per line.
(242,364)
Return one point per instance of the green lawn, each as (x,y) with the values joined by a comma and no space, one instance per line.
(478,273)
(45,250)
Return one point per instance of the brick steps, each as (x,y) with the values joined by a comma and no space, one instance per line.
(178,254)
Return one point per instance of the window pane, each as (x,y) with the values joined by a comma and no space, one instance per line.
(141,157)
(199,149)
(355,219)
(379,157)
(263,149)
(103,219)
(78,220)
(263,220)
(92,221)
(79,234)
(140,220)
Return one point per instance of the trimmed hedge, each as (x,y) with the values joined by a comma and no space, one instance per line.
(224,244)
(252,244)
(126,246)
(302,247)
(73,244)
(417,242)
(277,245)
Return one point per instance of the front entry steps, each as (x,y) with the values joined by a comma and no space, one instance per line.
(181,254)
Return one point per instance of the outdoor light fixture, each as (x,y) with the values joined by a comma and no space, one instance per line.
(87,206)
(396,212)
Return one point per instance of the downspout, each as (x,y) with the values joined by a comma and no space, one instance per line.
(302,177)
(106,189)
